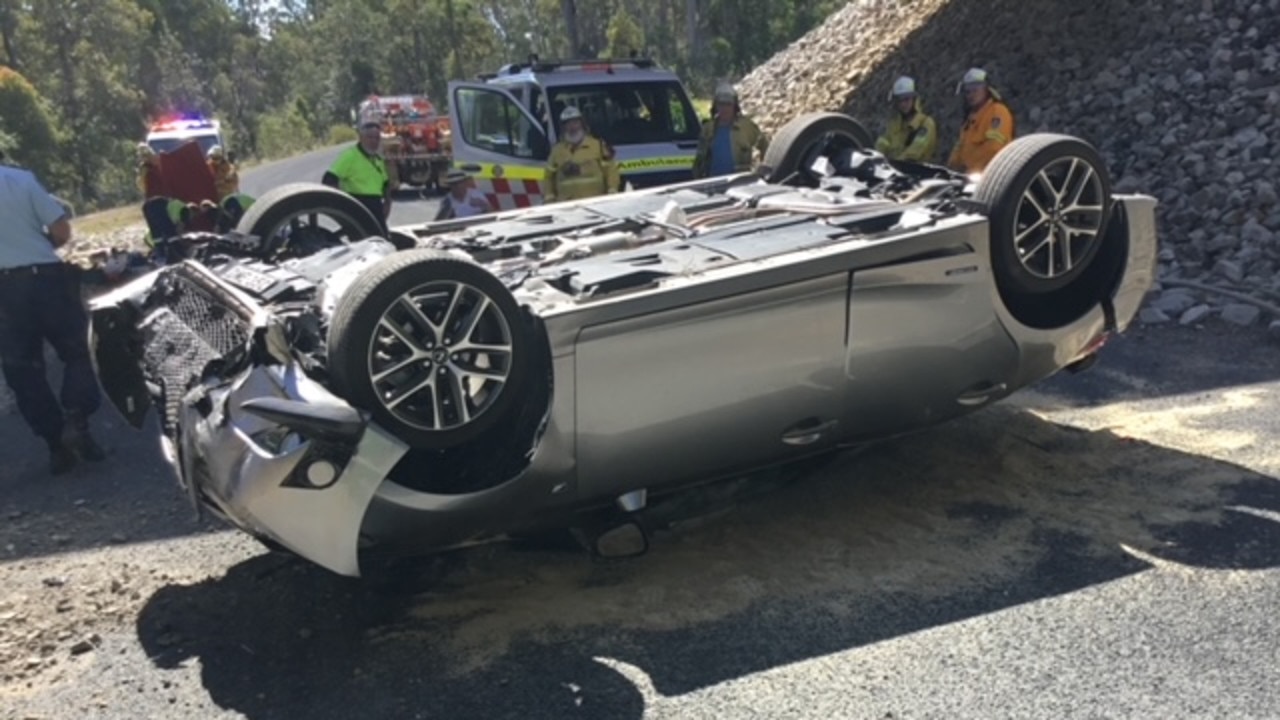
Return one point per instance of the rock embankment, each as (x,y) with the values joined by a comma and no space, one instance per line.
(1181,96)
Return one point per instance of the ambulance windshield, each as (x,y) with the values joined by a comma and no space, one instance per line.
(631,113)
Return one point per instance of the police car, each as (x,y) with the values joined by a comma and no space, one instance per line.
(505,123)
(172,131)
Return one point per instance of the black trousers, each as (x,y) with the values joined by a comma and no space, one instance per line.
(376,206)
(156,212)
(40,303)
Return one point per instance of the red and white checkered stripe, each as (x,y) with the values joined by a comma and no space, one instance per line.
(507,194)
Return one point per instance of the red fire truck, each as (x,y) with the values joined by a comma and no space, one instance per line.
(416,139)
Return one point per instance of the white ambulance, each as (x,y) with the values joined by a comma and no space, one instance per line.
(505,124)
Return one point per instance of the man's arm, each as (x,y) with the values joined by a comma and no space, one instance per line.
(921,139)
(701,158)
(953,161)
(553,169)
(51,213)
(60,232)
(478,200)
(333,176)
(996,137)
(446,209)
(609,165)
(762,141)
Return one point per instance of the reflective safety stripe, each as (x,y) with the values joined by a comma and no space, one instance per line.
(510,194)
(655,163)
(503,170)
(996,136)
(508,187)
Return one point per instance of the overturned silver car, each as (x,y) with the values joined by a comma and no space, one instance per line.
(329,391)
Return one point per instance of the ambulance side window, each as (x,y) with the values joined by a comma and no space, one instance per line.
(492,121)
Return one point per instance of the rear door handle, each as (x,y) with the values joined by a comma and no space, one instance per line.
(469,167)
(808,432)
(687,145)
(980,394)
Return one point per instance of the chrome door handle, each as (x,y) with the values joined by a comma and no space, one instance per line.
(807,432)
(980,394)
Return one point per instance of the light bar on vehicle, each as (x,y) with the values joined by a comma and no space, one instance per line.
(183,121)
(606,65)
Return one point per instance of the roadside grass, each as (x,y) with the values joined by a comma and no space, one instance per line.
(107,221)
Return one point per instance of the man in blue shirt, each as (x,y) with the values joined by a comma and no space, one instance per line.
(39,301)
(728,140)
(722,151)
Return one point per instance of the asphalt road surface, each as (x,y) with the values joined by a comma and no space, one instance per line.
(408,206)
(1104,545)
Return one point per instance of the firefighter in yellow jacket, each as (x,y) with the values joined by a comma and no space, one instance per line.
(728,139)
(988,124)
(911,135)
(225,177)
(581,165)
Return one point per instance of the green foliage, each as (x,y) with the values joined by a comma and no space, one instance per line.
(26,130)
(339,134)
(284,132)
(623,35)
(701,106)
(283,75)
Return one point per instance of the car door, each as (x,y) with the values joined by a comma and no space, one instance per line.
(706,389)
(925,341)
(499,143)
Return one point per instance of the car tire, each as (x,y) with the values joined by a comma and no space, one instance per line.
(278,206)
(1034,191)
(798,142)
(393,338)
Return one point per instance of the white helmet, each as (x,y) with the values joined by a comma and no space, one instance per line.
(974,76)
(570,113)
(215,152)
(903,86)
(725,93)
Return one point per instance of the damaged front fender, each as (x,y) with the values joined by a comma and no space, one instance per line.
(251,436)
(307,491)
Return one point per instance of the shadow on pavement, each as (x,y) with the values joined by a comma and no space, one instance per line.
(130,497)
(996,510)
(1153,361)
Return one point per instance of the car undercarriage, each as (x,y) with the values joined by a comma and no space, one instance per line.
(467,379)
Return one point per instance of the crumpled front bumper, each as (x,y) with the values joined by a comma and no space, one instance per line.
(263,445)
(278,478)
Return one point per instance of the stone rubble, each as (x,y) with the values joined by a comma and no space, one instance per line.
(1182,97)
(84,245)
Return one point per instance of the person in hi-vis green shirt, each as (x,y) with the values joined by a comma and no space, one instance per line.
(361,172)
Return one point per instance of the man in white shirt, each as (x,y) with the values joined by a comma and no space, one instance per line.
(39,301)
(463,199)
